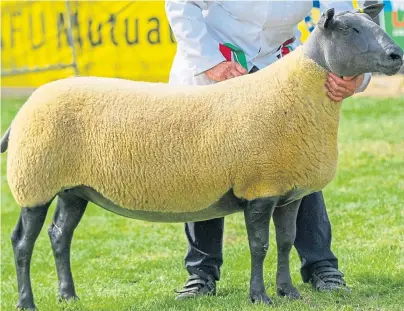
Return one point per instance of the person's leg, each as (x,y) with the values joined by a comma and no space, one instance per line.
(313,243)
(205,243)
(204,257)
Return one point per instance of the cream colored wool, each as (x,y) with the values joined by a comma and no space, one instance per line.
(155,147)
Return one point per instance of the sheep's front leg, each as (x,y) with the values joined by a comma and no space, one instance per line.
(285,227)
(257,217)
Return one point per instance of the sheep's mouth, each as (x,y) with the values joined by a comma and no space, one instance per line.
(390,70)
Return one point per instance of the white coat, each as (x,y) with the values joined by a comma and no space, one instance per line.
(257,27)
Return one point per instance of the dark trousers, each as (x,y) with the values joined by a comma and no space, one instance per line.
(313,239)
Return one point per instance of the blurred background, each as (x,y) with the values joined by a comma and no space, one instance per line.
(46,40)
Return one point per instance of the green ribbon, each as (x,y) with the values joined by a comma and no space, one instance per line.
(239,55)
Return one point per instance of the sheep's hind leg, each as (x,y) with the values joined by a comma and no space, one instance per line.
(23,239)
(257,216)
(69,210)
(285,227)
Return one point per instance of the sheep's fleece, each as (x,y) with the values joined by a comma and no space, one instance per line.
(156,147)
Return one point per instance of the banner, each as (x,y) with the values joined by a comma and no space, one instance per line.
(126,39)
(393,20)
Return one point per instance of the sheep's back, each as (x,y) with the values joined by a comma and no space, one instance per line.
(143,146)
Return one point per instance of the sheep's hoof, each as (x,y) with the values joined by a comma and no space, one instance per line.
(258,298)
(68,298)
(19,307)
(289,292)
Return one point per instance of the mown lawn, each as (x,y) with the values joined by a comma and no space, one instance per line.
(123,264)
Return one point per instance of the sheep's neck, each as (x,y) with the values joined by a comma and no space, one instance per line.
(302,81)
(307,124)
(313,49)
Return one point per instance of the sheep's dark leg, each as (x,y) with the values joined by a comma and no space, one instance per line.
(69,210)
(257,217)
(285,227)
(23,239)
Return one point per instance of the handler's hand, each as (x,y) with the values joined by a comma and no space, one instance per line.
(340,88)
(225,70)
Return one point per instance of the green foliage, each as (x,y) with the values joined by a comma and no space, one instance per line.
(123,264)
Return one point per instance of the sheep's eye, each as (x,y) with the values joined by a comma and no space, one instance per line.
(356,30)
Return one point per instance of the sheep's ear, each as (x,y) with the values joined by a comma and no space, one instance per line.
(326,19)
(372,10)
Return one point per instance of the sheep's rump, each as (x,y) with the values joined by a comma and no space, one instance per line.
(156,147)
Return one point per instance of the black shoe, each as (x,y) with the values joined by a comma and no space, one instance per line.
(326,278)
(200,284)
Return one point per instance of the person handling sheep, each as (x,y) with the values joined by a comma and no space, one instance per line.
(220,40)
(256,144)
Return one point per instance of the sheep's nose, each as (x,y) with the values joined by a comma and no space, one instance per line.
(394,56)
(395,53)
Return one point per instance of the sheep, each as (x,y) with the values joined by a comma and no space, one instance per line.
(192,146)
(255,144)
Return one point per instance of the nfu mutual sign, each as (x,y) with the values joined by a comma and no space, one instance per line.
(393,20)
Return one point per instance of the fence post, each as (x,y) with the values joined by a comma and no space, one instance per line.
(71,38)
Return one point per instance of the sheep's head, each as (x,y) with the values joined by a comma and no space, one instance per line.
(350,43)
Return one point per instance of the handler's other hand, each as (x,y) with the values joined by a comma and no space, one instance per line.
(340,88)
(225,70)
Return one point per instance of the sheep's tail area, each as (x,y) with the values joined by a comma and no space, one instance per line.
(4,141)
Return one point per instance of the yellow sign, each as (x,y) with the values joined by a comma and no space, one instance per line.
(127,39)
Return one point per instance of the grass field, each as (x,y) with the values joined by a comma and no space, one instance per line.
(122,264)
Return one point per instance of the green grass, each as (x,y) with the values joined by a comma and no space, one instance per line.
(123,264)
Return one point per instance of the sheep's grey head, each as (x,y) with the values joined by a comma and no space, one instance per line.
(350,43)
